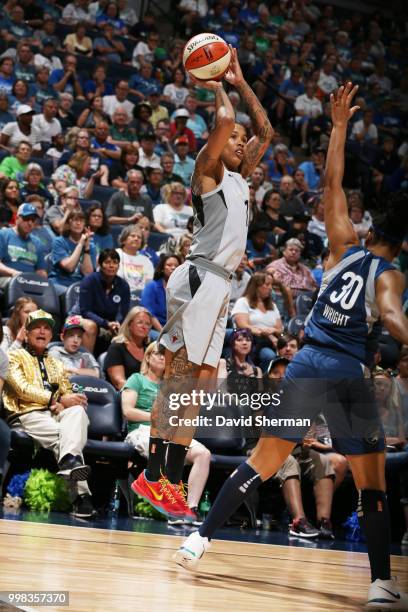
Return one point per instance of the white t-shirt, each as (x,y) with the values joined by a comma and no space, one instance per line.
(312,107)
(358,128)
(327,82)
(142,49)
(46,129)
(173,221)
(137,270)
(53,63)
(16,136)
(148,162)
(177,95)
(257,318)
(200,6)
(111,103)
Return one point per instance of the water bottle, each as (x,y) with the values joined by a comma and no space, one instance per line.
(115,500)
(205,504)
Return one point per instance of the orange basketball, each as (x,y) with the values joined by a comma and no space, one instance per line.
(207,57)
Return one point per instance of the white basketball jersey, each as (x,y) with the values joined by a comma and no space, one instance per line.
(221,222)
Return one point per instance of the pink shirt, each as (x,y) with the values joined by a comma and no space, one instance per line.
(298,279)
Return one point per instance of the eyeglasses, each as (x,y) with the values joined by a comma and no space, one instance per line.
(178,193)
(72,198)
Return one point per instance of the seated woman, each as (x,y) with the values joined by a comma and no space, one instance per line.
(134,268)
(75,174)
(138,395)
(97,222)
(10,198)
(145,225)
(14,332)
(359,217)
(78,42)
(256,311)
(44,234)
(73,254)
(183,246)
(154,293)
(104,300)
(129,156)
(240,362)
(126,352)
(172,217)
(93,115)
(33,184)
(57,215)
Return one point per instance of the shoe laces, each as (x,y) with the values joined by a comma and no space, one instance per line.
(181,489)
(167,489)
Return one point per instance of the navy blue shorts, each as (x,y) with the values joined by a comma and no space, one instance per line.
(327,381)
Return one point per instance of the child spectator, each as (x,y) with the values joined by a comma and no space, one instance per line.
(77,361)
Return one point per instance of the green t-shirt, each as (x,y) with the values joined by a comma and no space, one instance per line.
(146,394)
(11,167)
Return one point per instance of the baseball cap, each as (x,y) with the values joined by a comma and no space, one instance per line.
(181,112)
(48,42)
(181,140)
(39,315)
(277,361)
(73,322)
(27,210)
(301,217)
(24,109)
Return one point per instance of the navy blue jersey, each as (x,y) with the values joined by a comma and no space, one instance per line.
(345,316)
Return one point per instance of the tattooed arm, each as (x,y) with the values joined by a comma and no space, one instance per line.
(208,167)
(263,131)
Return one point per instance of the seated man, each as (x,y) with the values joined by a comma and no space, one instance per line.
(76,361)
(38,399)
(19,251)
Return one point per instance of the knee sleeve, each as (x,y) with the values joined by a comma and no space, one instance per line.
(371,500)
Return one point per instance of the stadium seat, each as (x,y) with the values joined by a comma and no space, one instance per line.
(70,300)
(135,297)
(86,204)
(103,194)
(37,288)
(106,421)
(101,362)
(296,324)
(115,230)
(46,164)
(156,239)
(304,303)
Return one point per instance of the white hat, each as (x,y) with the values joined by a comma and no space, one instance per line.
(24,109)
(181,112)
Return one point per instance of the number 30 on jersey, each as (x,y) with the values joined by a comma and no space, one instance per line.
(348,294)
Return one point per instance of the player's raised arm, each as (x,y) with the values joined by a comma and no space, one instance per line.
(263,130)
(208,162)
(339,229)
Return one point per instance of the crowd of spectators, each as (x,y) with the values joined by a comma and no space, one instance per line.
(99,129)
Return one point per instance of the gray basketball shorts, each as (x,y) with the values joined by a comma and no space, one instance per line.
(197,311)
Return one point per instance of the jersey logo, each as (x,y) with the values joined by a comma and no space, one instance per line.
(348,294)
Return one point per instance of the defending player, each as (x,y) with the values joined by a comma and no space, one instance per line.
(198,291)
(359,288)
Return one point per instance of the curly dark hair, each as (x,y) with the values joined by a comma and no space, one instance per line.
(164,257)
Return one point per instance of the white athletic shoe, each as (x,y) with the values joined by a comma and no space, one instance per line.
(386,595)
(191,551)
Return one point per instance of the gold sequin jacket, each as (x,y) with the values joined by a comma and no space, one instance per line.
(24,391)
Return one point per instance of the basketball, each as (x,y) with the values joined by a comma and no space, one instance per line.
(207,57)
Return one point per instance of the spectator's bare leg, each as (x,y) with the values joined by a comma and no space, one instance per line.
(340,465)
(89,337)
(292,495)
(200,457)
(323,491)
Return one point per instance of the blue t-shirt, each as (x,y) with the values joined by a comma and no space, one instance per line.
(56,76)
(291,89)
(154,299)
(102,242)
(62,248)
(23,254)
(6,85)
(90,87)
(312,177)
(145,86)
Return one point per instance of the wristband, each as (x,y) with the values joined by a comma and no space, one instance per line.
(87,251)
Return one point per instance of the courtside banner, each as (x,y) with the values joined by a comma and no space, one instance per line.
(236,410)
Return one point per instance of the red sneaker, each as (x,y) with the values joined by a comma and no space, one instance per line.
(181,489)
(161,495)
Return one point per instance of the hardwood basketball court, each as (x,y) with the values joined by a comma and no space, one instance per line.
(117,570)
